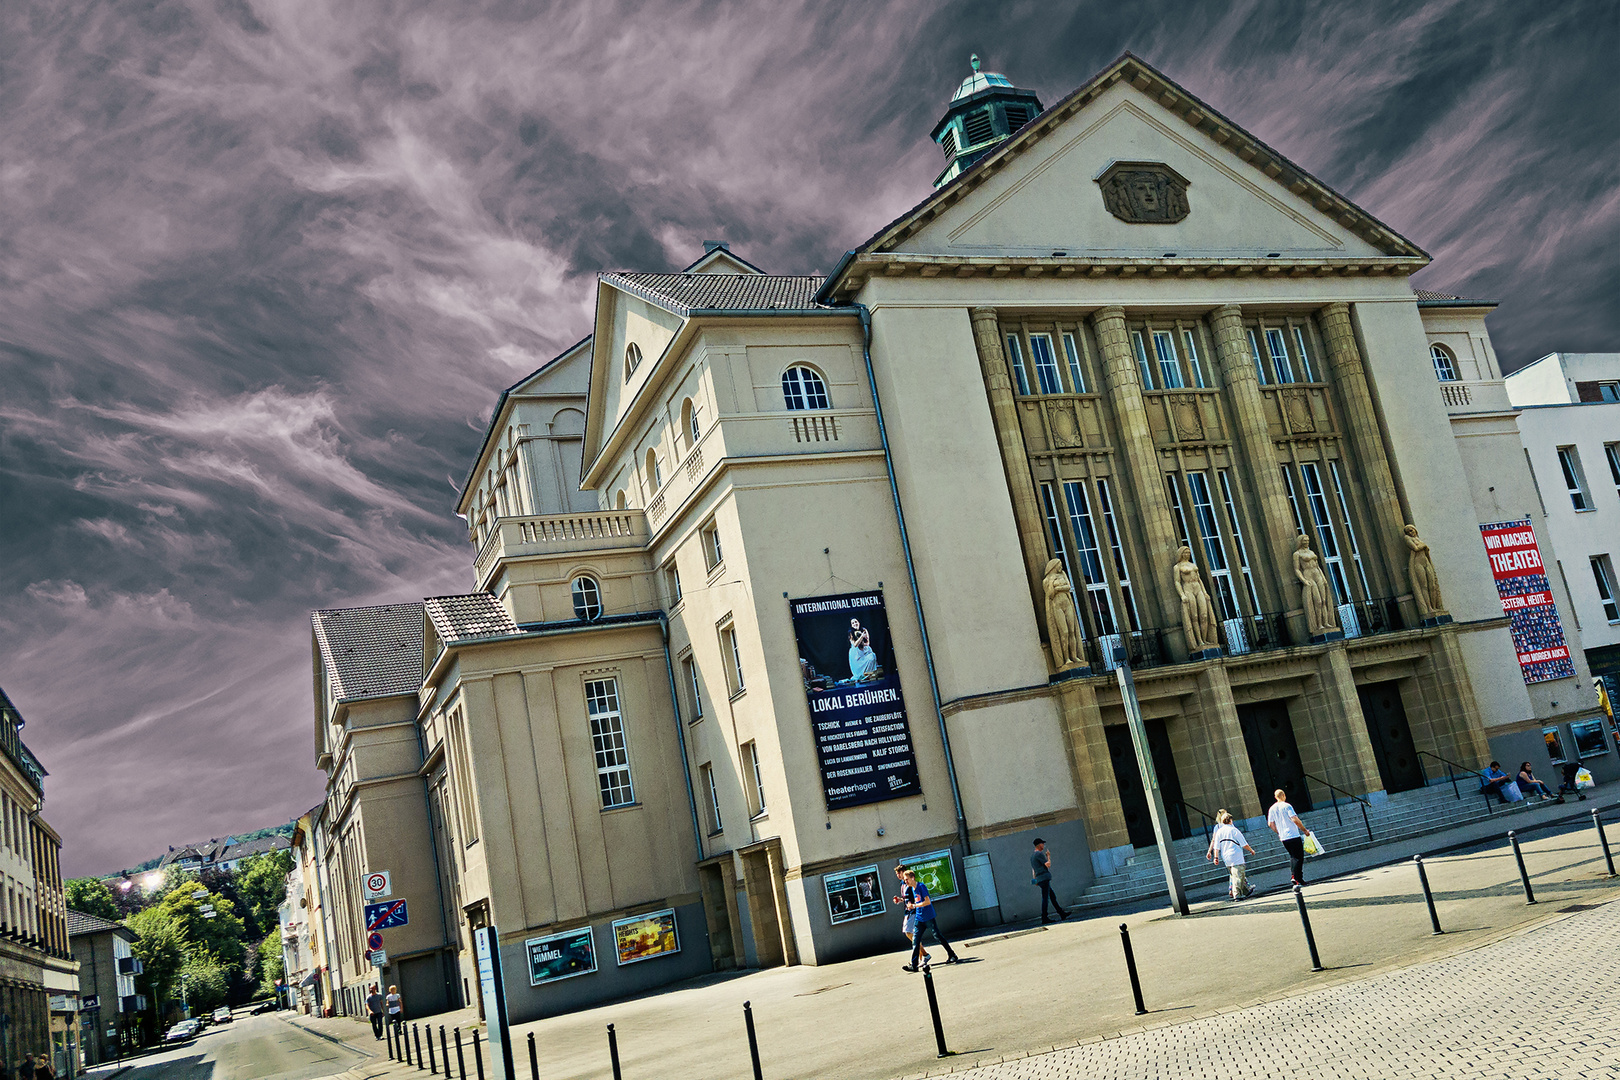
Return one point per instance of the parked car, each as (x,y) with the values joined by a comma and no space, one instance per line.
(222,1015)
(268,1005)
(184,1031)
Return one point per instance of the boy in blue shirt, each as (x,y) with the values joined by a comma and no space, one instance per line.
(923,907)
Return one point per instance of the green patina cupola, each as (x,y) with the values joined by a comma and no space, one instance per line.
(985,110)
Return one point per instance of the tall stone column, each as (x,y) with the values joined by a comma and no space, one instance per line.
(1254,441)
(1020,484)
(1366,437)
(1124,383)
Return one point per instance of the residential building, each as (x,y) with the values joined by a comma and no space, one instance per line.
(220,854)
(108,1003)
(865,549)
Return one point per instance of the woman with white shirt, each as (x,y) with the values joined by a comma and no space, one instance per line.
(1227,845)
(1282,820)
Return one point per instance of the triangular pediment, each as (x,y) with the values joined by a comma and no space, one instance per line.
(1055,187)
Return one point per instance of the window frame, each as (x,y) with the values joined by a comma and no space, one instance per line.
(1047,376)
(751,763)
(694,700)
(1208,520)
(1015,363)
(1440,355)
(1603,575)
(1611,453)
(1254,353)
(714,556)
(731,657)
(672,583)
(1326,533)
(1170,373)
(1144,365)
(632,359)
(1277,351)
(717,823)
(594,589)
(609,741)
(1116,546)
(1569,465)
(1071,352)
(804,389)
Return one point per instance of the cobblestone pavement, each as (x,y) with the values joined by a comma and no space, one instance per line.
(1539,1004)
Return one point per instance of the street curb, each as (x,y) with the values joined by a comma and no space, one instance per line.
(330,1038)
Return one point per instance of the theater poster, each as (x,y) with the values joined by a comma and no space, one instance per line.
(1521,582)
(863,740)
(561,956)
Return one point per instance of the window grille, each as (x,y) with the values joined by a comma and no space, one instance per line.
(607,742)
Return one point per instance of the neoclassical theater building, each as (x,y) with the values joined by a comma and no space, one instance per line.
(781,578)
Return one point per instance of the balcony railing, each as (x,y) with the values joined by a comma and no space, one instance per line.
(1361,618)
(1475,396)
(556,534)
(1255,633)
(1143,648)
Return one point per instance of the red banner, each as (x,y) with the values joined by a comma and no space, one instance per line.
(1521,582)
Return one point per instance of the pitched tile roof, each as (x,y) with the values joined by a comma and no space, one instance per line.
(475,615)
(1440,299)
(687,293)
(371,651)
(232,852)
(80,923)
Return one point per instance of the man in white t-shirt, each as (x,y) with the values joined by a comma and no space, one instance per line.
(1227,845)
(1282,820)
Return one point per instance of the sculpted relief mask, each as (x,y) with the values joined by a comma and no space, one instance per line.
(1144,192)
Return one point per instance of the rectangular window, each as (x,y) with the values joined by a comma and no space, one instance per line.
(1142,361)
(1071,350)
(1327,538)
(1569,460)
(1259,364)
(1209,530)
(694,692)
(1015,357)
(1164,346)
(1293,503)
(607,742)
(715,822)
(457,749)
(1053,524)
(1122,573)
(1237,540)
(1182,532)
(1349,527)
(1603,572)
(1046,368)
(751,763)
(731,655)
(1611,451)
(709,537)
(1194,366)
(1555,745)
(1089,557)
(1278,348)
(1304,354)
(672,582)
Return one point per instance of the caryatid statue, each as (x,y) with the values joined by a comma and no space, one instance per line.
(1062,622)
(1314,595)
(1425,582)
(1197,612)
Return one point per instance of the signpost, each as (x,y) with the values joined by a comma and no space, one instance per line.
(1150,781)
(373,941)
(379,958)
(376,885)
(493,989)
(388,913)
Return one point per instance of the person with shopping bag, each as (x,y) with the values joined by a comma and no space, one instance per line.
(1227,845)
(1282,820)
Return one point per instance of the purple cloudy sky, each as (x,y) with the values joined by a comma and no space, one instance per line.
(266,264)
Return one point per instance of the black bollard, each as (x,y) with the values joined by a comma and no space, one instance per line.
(753,1042)
(1305,919)
(416,1032)
(1603,840)
(1130,966)
(478,1057)
(461,1060)
(933,1009)
(433,1067)
(613,1053)
(388,1038)
(405,1037)
(1524,875)
(444,1051)
(1428,897)
(534,1062)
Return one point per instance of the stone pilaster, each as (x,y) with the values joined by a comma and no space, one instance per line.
(1141,460)
(1254,441)
(1372,462)
(1224,777)
(1009,434)
(1343,748)
(1095,786)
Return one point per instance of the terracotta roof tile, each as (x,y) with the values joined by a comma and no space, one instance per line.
(371,651)
(686,293)
(475,615)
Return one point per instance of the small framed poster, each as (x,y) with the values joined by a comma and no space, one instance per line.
(853,894)
(936,872)
(646,937)
(1589,738)
(1555,745)
(561,956)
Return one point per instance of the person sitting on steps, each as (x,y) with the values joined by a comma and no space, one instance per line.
(1493,780)
(1529,783)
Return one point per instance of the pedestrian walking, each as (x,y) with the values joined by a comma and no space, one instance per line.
(25,1071)
(42,1068)
(1282,820)
(1040,867)
(395,1006)
(1227,845)
(908,925)
(923,906)
(374,1009)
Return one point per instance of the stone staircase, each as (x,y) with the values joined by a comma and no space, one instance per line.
(1408,814)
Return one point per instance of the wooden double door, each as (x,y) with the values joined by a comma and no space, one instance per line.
(1399,765)
(1268,734)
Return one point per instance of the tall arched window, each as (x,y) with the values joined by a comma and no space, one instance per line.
(587,598)
(689,421)
(620,502)
(1445,368)
(803,388)
(655,477)
(632,359)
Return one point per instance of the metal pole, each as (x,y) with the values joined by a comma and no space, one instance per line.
(534,1062)
(933,1009)
(1150,781)
(1524,875)
(461,1059)
(1597,822)
(1305,919)
(613,1053)
(388,1038)
(444,1050)
(405,1037)
(433,1065)
(753,1042)
(1428,897)
(416,1031)
(478,1056)
(1130,966)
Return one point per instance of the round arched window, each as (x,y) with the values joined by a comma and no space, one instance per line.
(632,359)
(587,598)
(1445,367)
(803,388)
(690,414)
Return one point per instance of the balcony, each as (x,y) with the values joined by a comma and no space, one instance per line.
(1475,396)
(558,534)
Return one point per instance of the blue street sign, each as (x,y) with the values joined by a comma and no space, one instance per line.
(386,913)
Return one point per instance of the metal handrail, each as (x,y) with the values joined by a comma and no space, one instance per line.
(1365,821)
(1449,764)
(1207,817)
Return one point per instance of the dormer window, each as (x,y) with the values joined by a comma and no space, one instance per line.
(587,598)
(803,388)
(632,359)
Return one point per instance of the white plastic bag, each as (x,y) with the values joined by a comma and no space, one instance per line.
(1511,792)
(1313,846)
(1583,778)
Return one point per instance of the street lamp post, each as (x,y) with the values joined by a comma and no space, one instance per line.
(1150,781)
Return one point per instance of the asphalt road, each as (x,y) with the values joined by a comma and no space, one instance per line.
(248,1048)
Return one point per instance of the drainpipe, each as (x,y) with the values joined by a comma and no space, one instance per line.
(680,735)
(911,577)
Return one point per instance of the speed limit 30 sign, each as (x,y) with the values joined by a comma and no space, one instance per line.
(376,885)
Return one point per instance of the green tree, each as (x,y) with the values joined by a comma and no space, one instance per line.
(271,964)
(204,980)
(261,882)
(90,896)
(161,947)
(218,938)
(174,878)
